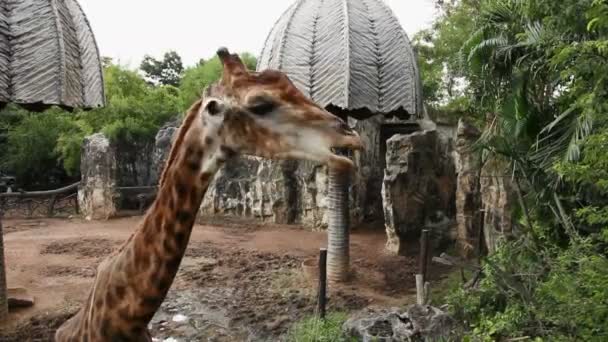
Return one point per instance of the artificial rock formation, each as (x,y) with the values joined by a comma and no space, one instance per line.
(416,323)
(497,198)
(468,201)
(97,190)
(418,187)
(287,192)
(230,193)
(162,146)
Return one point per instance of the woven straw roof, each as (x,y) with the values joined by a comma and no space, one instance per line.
(351,54)
(48,55)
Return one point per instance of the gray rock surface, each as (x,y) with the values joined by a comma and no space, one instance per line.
(468,201)
(416,323)
(497,199)
(286,192)
(162,147)
(97,190)
(418,187)
(230,193)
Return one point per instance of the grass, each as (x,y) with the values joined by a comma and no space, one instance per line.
(314,329)
(440,289)
(286,280)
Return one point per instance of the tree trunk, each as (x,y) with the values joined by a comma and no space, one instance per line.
(3,291)
(338,231)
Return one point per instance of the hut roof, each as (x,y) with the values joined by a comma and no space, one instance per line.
(351,54)
(48,55)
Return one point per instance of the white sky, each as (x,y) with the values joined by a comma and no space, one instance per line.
(126,30)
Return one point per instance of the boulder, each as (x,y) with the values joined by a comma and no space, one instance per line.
(416,323)
(418,187)
(162,147)
(97,190)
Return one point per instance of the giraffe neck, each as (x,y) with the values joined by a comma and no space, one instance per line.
(131,285)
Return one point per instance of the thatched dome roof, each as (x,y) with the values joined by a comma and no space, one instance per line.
(48,55)
(351,54)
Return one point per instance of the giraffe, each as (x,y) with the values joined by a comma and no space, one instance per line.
(247,113)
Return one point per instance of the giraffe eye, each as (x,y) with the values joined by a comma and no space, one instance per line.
(262,108)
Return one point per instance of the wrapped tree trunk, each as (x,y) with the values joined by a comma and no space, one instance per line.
(3,290)
(338,239)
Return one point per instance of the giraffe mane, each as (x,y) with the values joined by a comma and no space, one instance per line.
(185,126)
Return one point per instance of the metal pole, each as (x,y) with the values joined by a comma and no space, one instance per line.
(322,282)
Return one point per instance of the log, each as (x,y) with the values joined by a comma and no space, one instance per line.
(448,260)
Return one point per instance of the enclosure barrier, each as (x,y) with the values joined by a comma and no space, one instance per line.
(66,199)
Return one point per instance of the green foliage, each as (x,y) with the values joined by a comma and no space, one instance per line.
(44,149)
(538,69)
(443,77)
(166,72)
(31,152)
(554,294)
(313,329)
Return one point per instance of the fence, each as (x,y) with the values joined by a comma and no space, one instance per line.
(61,202)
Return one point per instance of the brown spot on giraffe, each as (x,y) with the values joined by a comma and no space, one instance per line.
(267,117)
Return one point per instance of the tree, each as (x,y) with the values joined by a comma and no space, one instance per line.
(538,68)
(167,71)
(338,230)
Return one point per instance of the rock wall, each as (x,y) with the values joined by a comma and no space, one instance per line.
(96,193)
(468,198)
(162,147)
(287,192)
(498,198)
(418,187)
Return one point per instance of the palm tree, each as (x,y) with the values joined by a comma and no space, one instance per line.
(338,235)
(532,70)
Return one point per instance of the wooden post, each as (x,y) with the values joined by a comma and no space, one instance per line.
(419,290)
(3,289)
(424,254)
(322,300)
(51,212)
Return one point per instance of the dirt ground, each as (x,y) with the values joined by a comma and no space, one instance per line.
(237,282)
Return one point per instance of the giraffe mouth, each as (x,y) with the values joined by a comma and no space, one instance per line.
(339,154)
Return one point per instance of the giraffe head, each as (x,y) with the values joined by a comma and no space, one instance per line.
(271,118)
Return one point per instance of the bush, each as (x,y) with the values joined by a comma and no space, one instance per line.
(31,152)
(549,293)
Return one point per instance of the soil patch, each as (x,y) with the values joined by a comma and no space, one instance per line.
(83,248)
(237,282)
(38,328)
(59,271)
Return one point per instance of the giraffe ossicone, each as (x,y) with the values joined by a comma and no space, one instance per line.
(261,114)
